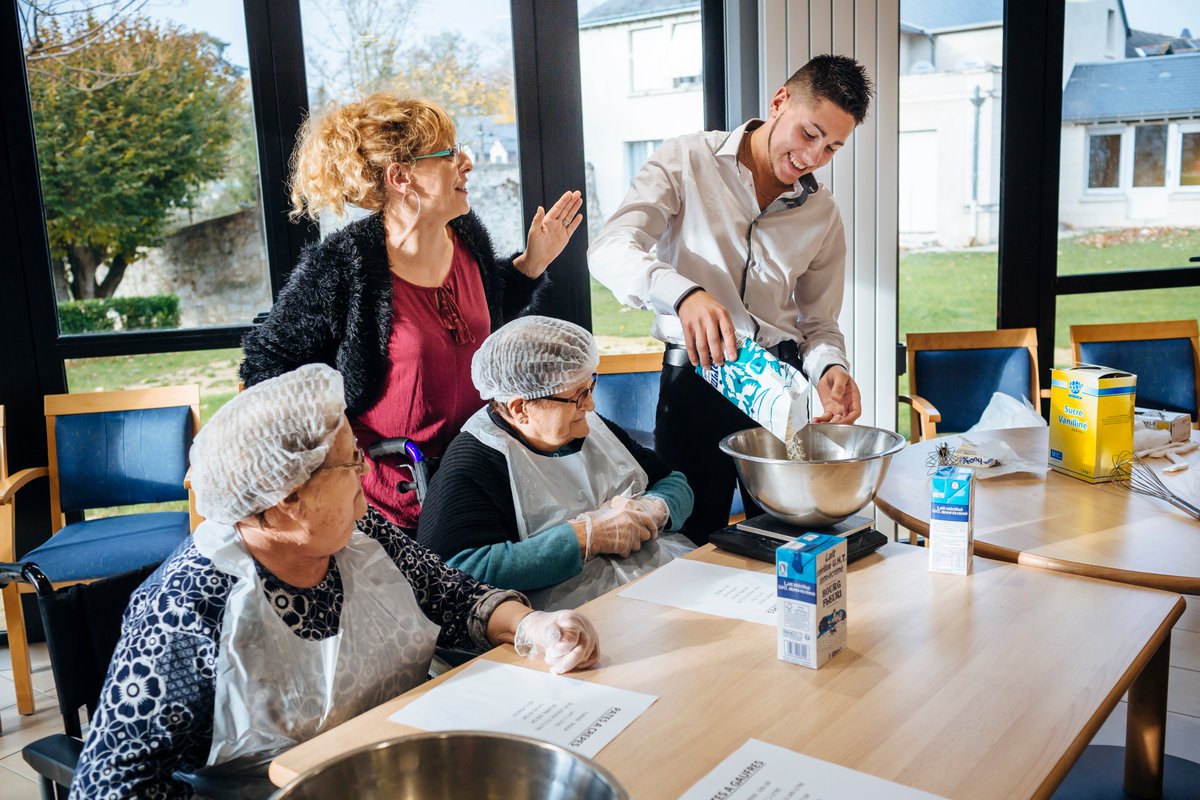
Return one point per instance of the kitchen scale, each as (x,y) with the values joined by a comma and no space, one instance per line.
(758,537)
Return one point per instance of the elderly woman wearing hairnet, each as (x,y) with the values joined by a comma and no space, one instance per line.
(278,619)
(539,493)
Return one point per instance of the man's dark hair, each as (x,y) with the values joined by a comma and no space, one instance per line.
(839,79)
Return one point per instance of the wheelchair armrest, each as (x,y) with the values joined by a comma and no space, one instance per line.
(13,483)
(54,757)
(927,413)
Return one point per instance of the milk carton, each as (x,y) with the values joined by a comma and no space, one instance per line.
(951,520)
(771,392)
(810,575)
(1091,420)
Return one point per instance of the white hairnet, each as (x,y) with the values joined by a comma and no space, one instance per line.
(533,357)
(266,442)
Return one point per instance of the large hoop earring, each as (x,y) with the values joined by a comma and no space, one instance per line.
(416,213)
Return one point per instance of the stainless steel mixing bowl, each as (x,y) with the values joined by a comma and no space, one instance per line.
(457,764)
(842,468)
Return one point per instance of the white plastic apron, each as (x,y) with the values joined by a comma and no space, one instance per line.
(550,490)
(274,689)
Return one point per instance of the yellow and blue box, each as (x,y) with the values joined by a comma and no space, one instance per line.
(810,610)
(951,520)
(1091,420)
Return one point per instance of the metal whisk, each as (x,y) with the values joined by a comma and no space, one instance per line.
(1140,477)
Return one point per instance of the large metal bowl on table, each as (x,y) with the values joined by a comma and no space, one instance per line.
(842,469)
(457,764)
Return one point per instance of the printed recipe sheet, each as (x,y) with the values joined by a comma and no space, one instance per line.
(709,589)
(581,716)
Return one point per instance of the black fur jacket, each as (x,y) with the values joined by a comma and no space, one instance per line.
(336,308)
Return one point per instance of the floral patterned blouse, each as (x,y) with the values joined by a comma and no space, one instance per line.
(155,714)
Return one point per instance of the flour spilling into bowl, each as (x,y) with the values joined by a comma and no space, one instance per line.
(795,447)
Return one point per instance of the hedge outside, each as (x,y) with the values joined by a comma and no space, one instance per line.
(119,314)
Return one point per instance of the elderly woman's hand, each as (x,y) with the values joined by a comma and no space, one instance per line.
(656,507)
(618,531)
(549,234)
(566,639)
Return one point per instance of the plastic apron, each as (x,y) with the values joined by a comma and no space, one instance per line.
(550,490)
(274,689)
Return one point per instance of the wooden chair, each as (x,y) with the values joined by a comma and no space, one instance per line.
(1165,356)
(952,376)
(105,449)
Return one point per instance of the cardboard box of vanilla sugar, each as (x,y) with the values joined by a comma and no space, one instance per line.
(1091,421)
(951,520)
(810,610)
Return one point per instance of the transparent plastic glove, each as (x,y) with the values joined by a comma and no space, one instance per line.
(656,507)
(618,531)
(566,639)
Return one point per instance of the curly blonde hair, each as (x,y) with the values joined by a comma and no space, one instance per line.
(342,154)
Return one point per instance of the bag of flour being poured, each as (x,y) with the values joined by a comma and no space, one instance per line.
(771,392)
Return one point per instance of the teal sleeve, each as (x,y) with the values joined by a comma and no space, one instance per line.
(540,561)
(676,493)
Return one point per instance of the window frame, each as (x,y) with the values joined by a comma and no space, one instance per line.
(1104,130)
(1175,155)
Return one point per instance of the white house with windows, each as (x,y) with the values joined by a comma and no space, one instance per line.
(648,89)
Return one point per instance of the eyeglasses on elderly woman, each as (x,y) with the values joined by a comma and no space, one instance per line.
(579,398)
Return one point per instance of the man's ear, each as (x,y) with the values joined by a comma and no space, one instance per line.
(396,177)
(779,102)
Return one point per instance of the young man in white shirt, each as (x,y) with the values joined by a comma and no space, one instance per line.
(727,235)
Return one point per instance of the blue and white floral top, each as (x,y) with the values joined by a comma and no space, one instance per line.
(156,708)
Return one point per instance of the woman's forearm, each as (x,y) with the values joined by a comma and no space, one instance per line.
(502,625)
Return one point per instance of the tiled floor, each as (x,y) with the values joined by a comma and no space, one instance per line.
(18,782)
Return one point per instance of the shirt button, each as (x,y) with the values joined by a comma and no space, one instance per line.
(750,263)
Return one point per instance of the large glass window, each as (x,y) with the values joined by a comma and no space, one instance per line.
(148,162)
(1104,160)
(460,60)
(640,75)
(1149,155)
(1189,159)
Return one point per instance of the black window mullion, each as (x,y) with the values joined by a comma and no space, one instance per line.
(550,136)
(1128,280)
(1031,131)
(277,78)
(712,35)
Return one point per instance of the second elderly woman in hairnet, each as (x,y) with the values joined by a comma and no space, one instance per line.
(539,492)
(278,619)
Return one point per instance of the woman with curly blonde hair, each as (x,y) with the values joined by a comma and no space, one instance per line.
(400,301)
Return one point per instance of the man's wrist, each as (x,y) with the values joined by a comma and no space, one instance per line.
(685,296)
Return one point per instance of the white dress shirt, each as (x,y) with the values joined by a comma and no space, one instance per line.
(691,220)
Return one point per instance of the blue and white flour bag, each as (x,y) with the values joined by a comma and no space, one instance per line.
(771,392)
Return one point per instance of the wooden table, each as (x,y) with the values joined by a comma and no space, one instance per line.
(1062,523)
(984,687)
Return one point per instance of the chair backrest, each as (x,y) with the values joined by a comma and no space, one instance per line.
(1165,356)
(83,625)
(627,392)
(119,448)
(959,372)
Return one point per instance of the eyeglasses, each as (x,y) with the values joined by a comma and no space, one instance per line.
(454,153)
(358,463)
(578,399)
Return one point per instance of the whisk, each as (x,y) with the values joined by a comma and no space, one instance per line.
(1140,477)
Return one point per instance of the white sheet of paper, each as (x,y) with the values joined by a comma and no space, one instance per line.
(581,716)
(709,589)
(757,771)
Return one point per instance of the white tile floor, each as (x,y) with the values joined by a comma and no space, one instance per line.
(18,781)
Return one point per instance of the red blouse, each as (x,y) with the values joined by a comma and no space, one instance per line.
(429,394)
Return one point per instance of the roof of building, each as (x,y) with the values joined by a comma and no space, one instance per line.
(1155,87)
(616,11)
(938,15)
(1145,43)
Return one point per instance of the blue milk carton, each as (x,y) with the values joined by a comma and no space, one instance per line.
(951,520)
(810,610)
(771,392)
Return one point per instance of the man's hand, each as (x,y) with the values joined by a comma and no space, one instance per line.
(707,330)
(839,396)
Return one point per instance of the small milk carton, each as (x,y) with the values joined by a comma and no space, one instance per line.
(810,575)
(771,392)
(1091,420)
(951,523)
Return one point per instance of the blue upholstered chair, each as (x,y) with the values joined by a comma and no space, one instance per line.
(1165,356)
(627,393)
(105,449)
(952,376)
